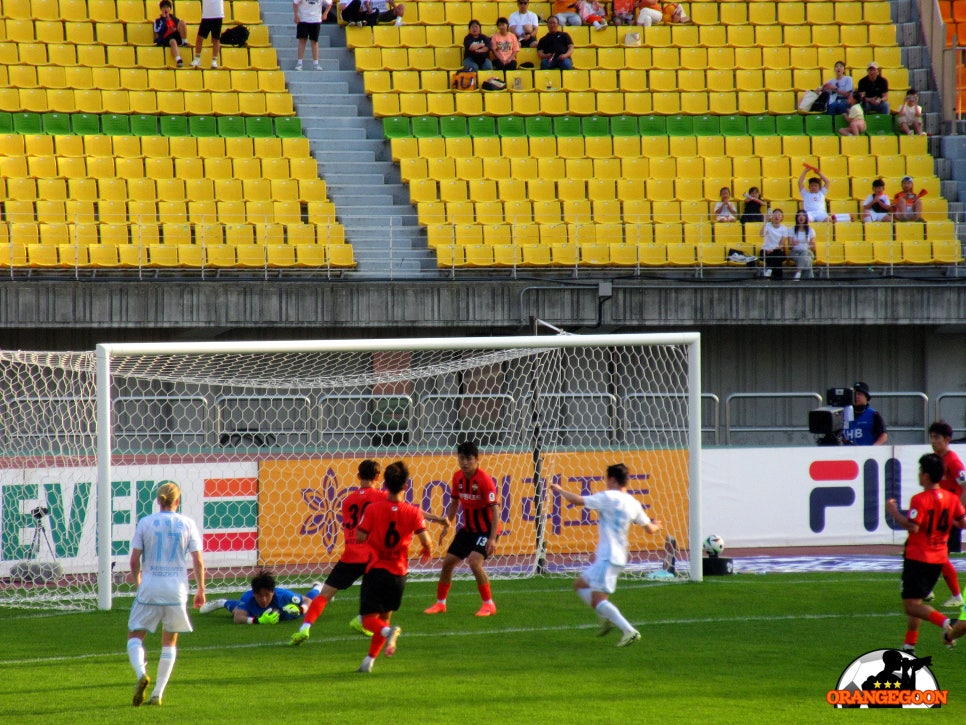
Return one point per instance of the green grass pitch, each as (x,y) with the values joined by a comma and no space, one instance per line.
(739,649)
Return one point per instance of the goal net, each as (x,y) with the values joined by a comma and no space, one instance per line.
(265,440)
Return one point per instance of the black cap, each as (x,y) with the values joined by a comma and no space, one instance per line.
(861,387)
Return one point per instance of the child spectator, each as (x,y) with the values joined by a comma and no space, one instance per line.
(625,12)
(724,210)
(309,16)
(813,196)
(908,203)
(754,207)
(171,31)
(505,46)
(877,207)
(910,115)
(653,12)
(855,117)
(592,13)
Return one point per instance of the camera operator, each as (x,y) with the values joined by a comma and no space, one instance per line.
(867,427)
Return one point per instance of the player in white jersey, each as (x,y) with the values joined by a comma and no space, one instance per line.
(164,545)
(616,510)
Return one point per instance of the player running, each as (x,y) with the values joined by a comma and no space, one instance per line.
(932,512)
(616,510)
(388,527)
(474,491)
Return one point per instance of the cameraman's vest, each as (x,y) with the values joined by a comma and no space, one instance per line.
(860,429)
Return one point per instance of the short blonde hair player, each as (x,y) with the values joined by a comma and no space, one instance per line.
(164,542)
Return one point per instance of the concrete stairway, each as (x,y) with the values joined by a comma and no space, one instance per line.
(370,200)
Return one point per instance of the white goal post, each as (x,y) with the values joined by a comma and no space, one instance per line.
(265,438)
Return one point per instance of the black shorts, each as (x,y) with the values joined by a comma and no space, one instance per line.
(919,578)
(381,592)
(345,575)
(465,542)
(210,26)
(308,31)
(175,36)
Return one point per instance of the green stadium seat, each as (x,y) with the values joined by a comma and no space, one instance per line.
(596,126)
(144,125)
(115,124)
(652,126)
(680,125)
(230,126)
(291,127)
(789,124)
(761,125)
(511,126)
(733,125)
(481,127)
(85,124)
(202,126)
(452,127)
(706,125)
(818,124)
(539,126)
(174,125)
(259,127)
(567,126)
(28,123)
(624,126)
(56,124)
(6,122)
(424,126)
(392,127)
(879,124)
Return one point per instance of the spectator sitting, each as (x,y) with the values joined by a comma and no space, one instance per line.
(171,31)
(910,115)
(724,210)
(476,47)
(566,12)
(875,91)
(877,207)
(592,13)
(505,46)
(802,246)
(624,12)
(908,203)
(813,195)
(774,237)
(555,48)
(387,11)
(524,23)
(754,207)
(839,89)
(855,117)
(653,12)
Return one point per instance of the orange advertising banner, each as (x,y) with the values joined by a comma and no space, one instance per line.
(300,501)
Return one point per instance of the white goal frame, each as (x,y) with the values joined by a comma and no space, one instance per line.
(106,354)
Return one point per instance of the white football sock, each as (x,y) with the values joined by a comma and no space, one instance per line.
(165,665)
(613,615)
(135,654)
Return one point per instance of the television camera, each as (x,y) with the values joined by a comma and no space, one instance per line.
(828,422)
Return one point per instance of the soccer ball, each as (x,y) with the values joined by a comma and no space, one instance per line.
(713,545)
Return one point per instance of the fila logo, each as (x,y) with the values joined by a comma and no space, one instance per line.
(825,497)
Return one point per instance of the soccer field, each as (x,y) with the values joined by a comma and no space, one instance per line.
(745,648)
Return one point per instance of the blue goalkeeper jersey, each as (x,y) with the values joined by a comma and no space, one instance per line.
(281,597)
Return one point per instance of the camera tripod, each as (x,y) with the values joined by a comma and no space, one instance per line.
(33,570)
(41,537)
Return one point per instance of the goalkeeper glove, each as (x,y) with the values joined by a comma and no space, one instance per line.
(292,610)
(269,616)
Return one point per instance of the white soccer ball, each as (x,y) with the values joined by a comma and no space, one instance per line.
(713,545)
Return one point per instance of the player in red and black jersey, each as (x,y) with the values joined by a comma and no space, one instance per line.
(474,491)
(932,513)
(355,557)
(954,478)
(388,528)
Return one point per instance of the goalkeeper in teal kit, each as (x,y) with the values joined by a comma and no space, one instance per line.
(265,603)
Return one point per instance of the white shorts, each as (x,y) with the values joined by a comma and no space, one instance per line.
(602,576)
(877,216)
(817,216)
(173,617)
